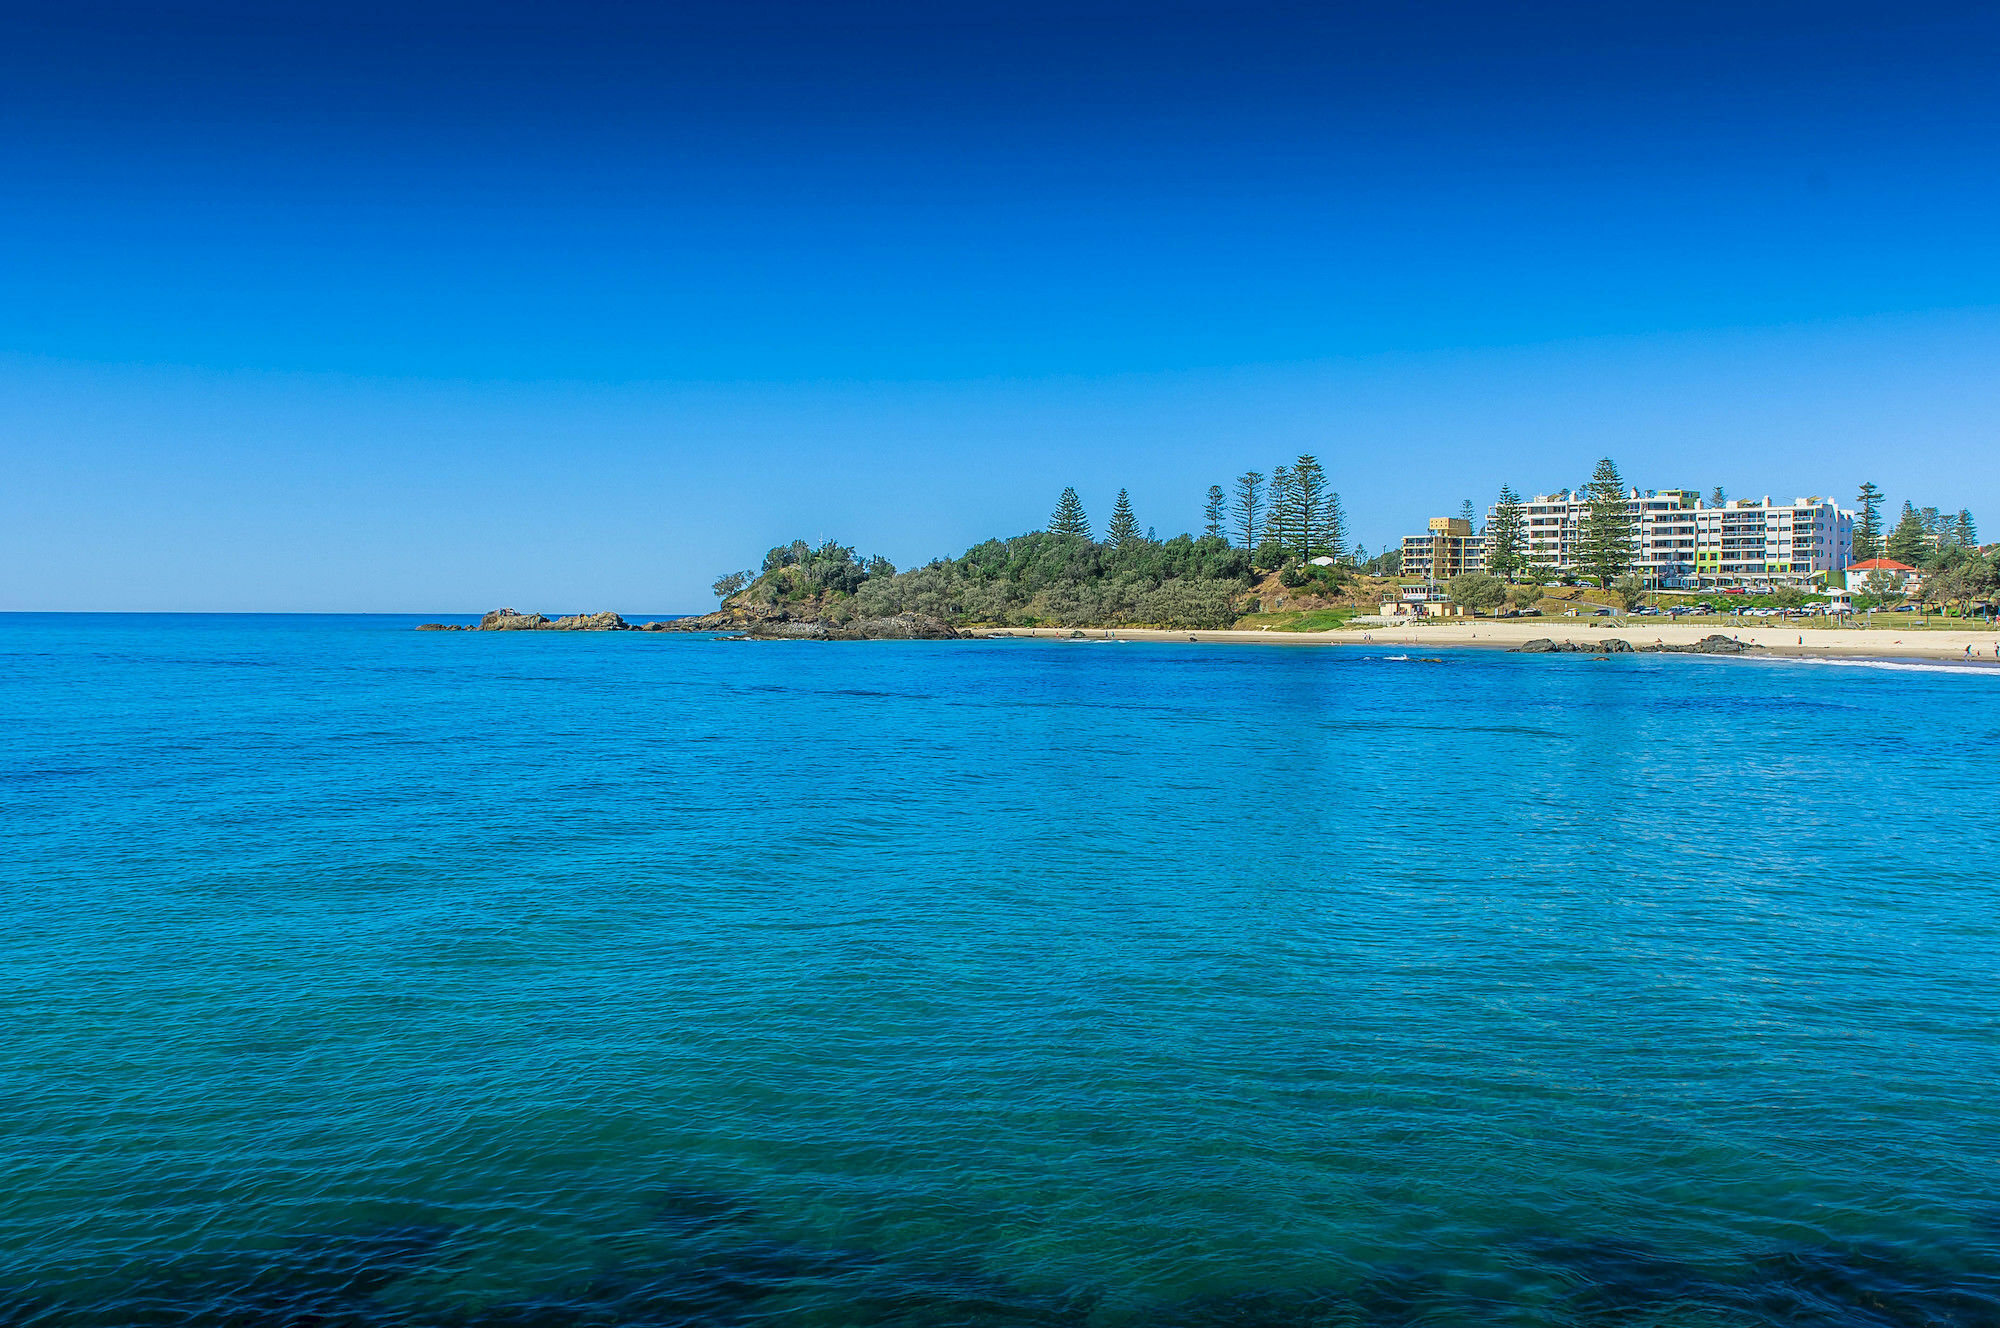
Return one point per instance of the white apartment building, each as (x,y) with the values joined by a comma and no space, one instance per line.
(1765,543)
(1682,543)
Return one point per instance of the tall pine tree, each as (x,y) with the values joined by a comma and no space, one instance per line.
(1283,525)
(1212,513)
(1507,535)
(1909,543)
(1310,494)
(1249,508)
(1069,518)
(1124,529)
(1868,523)
(1966,534)
(1336,525)
(1605,538)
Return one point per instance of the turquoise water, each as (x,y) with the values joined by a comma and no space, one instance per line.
(353,975)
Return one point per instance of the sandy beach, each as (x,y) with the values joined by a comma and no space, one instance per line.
(1857,643)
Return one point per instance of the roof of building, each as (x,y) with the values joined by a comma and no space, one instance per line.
(1880,565)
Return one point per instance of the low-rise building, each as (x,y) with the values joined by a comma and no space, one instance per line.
(1895,577)
(1449,549)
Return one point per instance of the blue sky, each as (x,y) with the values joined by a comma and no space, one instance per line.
(422,307)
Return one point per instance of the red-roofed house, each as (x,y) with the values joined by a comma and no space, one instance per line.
(1860,575)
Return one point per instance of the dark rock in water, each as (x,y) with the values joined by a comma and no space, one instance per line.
(777,623)
(510,620)
(590,622)
(1713,644)
(902,627)
(1610,645)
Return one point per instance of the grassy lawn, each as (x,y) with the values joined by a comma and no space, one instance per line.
(1313,620)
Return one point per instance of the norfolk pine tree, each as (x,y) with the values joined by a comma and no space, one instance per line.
(1124,528)
(1249,508)
(1507,535)
(1283,524)
(1909,542)
(1212,513)
(1868,523)
(1605,537)
(1069,518)
(1310,495)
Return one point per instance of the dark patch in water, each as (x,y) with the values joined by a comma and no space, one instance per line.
(725,1271)
(1259,1308)
(1396,1297)
(1614,1280)
(1869,1284)
(322,1281)
(696,1209)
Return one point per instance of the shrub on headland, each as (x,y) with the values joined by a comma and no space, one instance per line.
(1043,578)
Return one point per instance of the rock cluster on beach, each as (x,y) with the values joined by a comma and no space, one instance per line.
(1714,644)
(761,622)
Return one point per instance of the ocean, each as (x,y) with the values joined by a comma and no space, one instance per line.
(359,976)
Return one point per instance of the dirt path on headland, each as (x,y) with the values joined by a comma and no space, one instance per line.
(1876,643)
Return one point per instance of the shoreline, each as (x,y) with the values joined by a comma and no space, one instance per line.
(1940,647)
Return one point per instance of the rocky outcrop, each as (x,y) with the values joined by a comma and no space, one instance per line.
(509,620)
(783,623)
(902,627)
(589,622)
(764,622)
(1541,645)
(1715,644)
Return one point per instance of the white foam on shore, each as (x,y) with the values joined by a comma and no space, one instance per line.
(1893,665)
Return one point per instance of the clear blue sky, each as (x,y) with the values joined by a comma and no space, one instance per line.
(427,307)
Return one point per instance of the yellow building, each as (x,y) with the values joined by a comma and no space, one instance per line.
(1448,550)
